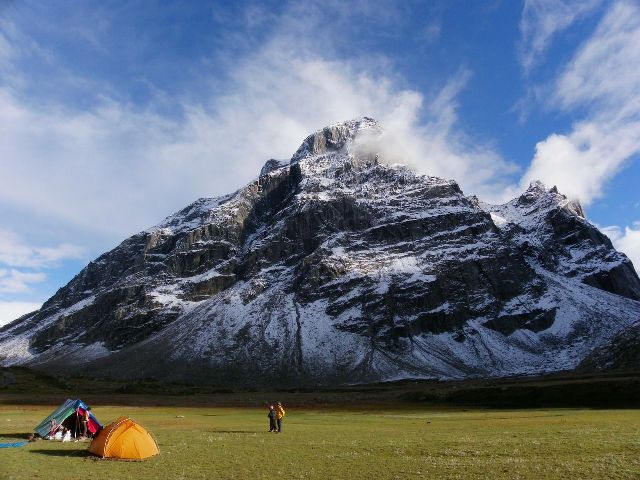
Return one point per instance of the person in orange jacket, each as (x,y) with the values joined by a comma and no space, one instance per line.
(279,416)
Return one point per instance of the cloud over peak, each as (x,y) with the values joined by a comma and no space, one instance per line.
(96,167)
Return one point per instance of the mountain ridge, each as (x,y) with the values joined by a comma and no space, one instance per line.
(334,268)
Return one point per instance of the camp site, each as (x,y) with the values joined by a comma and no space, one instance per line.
(320,239)
(514,429)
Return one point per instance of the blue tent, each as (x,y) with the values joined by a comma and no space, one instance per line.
(68,414)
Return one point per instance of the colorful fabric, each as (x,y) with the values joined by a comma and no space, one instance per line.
(64,411)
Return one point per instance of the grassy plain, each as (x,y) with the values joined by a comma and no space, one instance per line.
(371,442)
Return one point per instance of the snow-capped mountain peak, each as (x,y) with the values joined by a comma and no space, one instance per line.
(334,138)
(335,268)
(538,192)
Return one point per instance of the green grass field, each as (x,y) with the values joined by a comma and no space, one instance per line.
(402,442)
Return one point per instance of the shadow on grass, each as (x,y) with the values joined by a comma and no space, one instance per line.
(23,436)
(235,431)
(62,453)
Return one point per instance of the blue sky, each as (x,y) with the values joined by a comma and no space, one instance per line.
(115,114)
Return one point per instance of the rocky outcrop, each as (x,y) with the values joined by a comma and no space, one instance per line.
(334,268)
(552,232)
(622,352)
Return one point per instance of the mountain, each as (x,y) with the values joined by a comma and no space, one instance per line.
(334,267)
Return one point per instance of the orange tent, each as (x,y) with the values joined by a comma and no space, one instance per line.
(124,438)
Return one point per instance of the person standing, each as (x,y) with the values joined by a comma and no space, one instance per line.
(84,419)
(273,426)
(279,416)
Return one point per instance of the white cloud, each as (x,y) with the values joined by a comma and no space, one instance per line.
(581,162)
(16,281)
(542,20)
(603,81)
(16,255)
(436,146)
(116,168)
(14,252)
(603,73)
(626,240)
(9,311)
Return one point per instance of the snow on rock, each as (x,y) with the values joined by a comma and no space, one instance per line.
(333,268)
(499,221)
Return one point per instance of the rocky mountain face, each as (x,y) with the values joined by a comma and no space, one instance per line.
(620,353)
(334,267)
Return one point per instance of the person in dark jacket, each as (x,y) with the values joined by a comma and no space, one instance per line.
(273,427)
